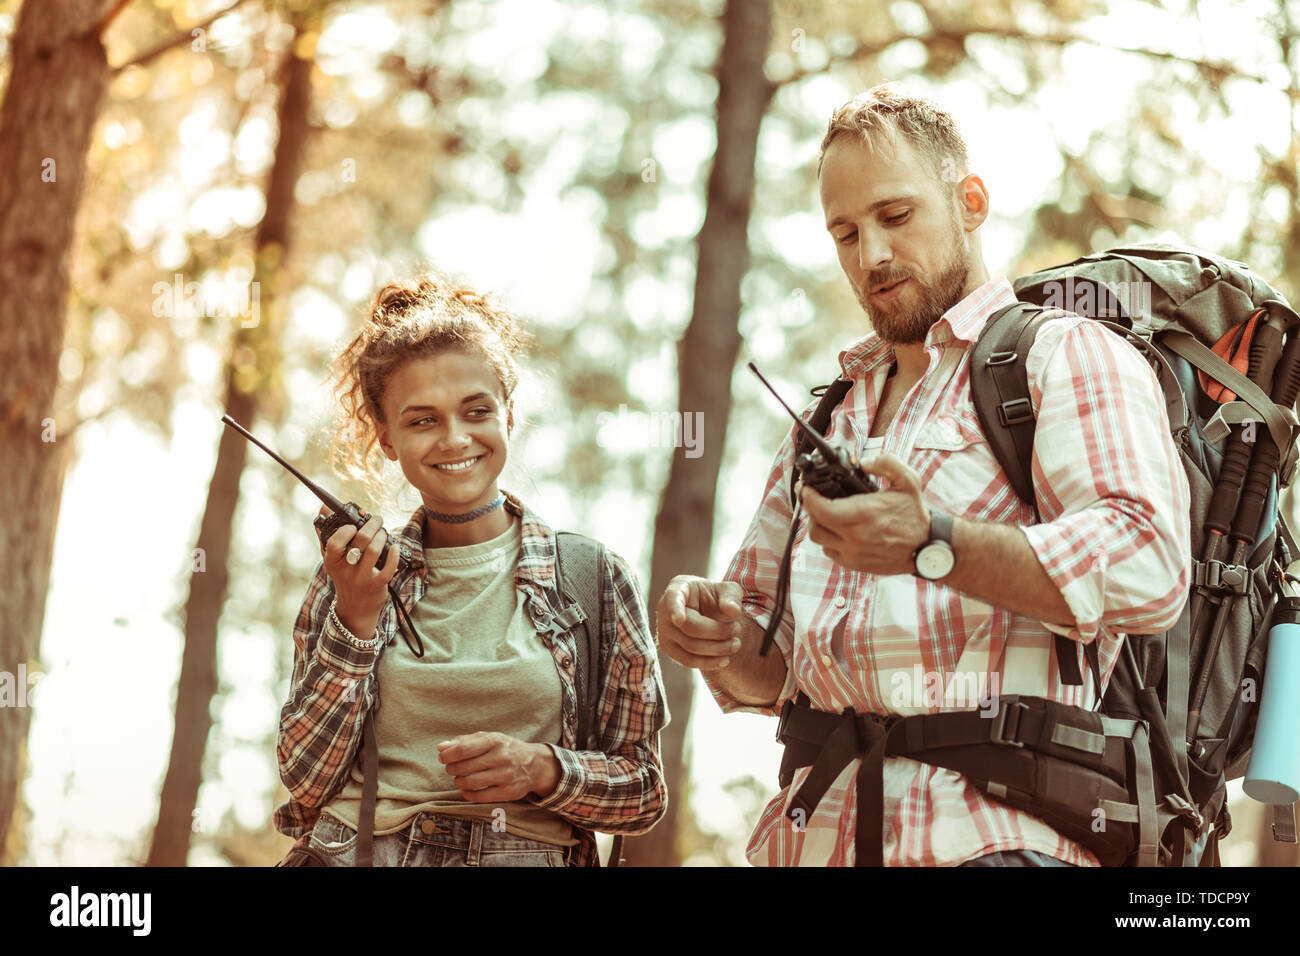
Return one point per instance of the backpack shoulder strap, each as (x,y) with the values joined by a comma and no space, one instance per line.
(579,563)
(999,384)
(579,573)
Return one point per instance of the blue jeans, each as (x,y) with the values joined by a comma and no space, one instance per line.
(436,839)
(1016,858)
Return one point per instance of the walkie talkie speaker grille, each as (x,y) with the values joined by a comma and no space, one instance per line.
(326,525)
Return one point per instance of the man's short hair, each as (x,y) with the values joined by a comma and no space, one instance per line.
(885,110)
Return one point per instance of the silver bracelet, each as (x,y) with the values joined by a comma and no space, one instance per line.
(351,638)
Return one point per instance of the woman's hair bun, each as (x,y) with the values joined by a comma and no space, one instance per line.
(398,298)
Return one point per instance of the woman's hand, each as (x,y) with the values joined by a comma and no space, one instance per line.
(492,767)
(362,588)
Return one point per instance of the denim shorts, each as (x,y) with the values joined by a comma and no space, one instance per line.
(437,839)
(1016,858)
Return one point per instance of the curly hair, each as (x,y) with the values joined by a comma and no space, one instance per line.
(418,317)
(886,110)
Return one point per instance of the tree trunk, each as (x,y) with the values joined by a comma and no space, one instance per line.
(706,356)
(250,368)
(59,73)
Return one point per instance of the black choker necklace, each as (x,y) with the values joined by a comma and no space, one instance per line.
(469,515)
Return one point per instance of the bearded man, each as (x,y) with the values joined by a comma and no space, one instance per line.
(938,592)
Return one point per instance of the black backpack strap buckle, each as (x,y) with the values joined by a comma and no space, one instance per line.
(1015,412)
(1006,725)
(859,722)
(1220,577)
(783,720)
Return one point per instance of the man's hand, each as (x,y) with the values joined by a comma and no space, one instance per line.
(497,768)
(878,532)
(699,623)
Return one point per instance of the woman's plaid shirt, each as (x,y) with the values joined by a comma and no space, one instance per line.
(1115,540)
(617,789)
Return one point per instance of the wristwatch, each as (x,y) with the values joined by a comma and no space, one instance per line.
(936,558)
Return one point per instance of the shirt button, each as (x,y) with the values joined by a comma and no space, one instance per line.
(565,662)
(827,660)
(841,601)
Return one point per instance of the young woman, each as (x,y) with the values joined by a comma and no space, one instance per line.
(478,763)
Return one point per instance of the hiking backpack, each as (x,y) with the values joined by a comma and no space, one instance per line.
(1178,717)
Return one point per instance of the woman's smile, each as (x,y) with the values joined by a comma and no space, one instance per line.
(458,467)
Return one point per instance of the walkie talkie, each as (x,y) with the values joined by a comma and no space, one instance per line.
(342,514)
(831,472)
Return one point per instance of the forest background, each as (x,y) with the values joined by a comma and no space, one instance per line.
(636,179)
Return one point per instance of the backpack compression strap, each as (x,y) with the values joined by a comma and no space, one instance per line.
(579,570)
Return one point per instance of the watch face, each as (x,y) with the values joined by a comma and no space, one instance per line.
(935,560)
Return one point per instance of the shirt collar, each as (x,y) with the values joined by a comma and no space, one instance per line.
(536,563)
(963,321)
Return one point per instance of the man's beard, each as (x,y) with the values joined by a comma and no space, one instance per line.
(899,324)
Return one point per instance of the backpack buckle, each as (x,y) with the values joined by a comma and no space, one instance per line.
(999,734)
(1220,576)
(570,617)
(1015,412)
(859,721)
(784,720)
(544,618)
(1000,358)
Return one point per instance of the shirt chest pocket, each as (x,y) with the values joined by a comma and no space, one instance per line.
(954,431)
(954,460)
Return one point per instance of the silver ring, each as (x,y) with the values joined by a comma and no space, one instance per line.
(353,556)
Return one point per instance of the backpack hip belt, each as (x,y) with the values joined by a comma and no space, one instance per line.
(1065,765)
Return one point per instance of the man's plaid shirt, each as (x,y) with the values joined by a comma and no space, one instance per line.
(1115,539)
(617,789)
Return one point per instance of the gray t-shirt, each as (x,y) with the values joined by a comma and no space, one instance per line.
(484,669)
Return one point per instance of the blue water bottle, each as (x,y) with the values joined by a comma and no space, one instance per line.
(1273,774)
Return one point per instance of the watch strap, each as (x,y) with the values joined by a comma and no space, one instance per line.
(940,527)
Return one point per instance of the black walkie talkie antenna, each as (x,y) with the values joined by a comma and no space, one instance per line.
(343,514)
(321,493)
(821,444)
